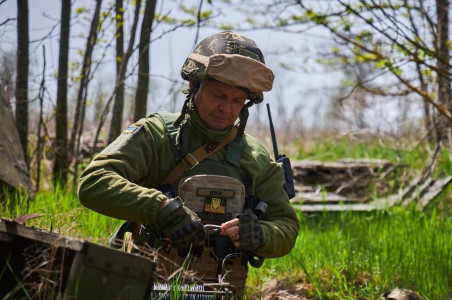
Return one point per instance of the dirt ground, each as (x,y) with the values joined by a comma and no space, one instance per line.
(278,289)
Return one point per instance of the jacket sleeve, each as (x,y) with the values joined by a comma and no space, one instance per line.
(280,222)
(120,181)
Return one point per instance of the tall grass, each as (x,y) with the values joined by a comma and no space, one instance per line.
(360,255)
(356,255)
(61,213)
(412,155)
(345,255)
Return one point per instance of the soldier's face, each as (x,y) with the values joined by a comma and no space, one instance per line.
(219,104)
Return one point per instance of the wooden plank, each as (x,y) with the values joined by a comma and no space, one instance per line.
(347,177)
(426,192)
(434,190)
(333,207)
(319,198)
(39,235)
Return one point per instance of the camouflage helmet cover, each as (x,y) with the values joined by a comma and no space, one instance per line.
(231,58)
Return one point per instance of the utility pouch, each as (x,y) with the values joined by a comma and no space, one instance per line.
(215,199)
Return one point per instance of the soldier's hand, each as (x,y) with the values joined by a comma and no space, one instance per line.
(180,224)
(231,229)
(244,231)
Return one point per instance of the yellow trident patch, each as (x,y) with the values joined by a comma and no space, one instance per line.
(215,205)
(215,199)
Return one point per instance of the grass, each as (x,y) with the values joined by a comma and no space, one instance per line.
(346,255)
(414,157)
(356,255)
(360,255)
(61,213)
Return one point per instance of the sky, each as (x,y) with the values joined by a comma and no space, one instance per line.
(302,91)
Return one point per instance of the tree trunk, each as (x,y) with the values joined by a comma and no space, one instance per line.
(143,62)
(40,139)
(118,106)
(116,119)
(61,163)
(22,76)
(84,75)
(444,80)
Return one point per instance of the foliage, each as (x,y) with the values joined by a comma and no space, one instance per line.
(402,40)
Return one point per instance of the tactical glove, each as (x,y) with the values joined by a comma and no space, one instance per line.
(180,224)
(251,234)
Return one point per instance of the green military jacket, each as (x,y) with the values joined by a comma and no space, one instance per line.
(122,180)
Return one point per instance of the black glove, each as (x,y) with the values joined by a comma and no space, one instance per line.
(251,233)
(180,224)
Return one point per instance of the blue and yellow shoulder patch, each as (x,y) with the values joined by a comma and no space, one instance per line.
(133,129)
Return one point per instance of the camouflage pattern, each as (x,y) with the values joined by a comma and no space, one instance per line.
(226,42)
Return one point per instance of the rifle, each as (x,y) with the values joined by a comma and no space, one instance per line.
(283,160)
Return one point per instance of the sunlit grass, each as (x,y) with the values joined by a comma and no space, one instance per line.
(347,255)
(356,255)
(61,213)
(414,157)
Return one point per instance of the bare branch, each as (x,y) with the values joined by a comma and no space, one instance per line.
(7,21)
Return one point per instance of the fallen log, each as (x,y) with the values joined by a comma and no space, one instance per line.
(419,191)
(347,177)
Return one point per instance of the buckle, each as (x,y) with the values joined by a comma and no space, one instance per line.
(188,164)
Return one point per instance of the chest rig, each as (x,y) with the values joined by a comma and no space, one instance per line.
(215,188)
(201,162)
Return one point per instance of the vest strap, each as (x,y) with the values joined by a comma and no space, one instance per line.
(192,159)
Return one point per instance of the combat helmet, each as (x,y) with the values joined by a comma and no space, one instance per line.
(230,58)
(233,59)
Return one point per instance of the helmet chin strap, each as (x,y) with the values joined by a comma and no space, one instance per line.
(185,107)
(234,148)
(243,117)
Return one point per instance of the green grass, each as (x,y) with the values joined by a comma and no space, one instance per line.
(61,213)
(347,255)
(356,255)
(414,156)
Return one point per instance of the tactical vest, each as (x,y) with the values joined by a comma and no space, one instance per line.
(229,167)
(215,190)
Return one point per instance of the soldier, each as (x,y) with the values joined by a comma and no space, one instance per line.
(175,173)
